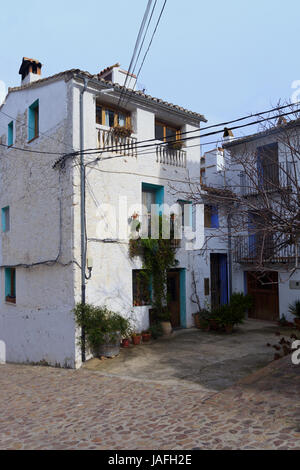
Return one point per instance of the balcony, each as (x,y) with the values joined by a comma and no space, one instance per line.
(272,249)
(271,178)
(170,156)
(117,144)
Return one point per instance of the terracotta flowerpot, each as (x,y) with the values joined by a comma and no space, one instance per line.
(167,328)
(197,320)
(146,337)
(136,340)
(125,343)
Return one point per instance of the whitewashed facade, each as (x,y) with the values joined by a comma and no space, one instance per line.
(40,236)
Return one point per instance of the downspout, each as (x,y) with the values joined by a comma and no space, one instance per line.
(82,214)
(229,255)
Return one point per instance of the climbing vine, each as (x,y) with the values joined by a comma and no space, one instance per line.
(158,257)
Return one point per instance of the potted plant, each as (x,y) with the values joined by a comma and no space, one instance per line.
(156,330)
(103,329)
(136,339)
(146,336)
(294,309)
(125,343)
(122,131)
(201,319)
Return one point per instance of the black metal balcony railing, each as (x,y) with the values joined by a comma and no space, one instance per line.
(269,178)
(123,145)
(250,249)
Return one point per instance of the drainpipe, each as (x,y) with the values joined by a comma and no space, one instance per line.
(82,213)
(229,255)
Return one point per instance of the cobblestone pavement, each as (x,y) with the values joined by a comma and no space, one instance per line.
(44,408)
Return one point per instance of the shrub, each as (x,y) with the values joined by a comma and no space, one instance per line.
(101,325)
(235,312)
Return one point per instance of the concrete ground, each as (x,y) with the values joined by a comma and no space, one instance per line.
(212,360)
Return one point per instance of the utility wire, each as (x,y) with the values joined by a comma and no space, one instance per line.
(222,124)
(41,133)
(137,146)
(150,43)
(140,33)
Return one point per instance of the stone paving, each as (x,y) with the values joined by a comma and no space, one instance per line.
(44,408)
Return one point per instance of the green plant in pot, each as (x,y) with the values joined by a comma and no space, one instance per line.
(158,257)
(103,329)
(294,309)
(202,319)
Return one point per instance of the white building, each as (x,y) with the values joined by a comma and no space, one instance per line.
(265,265)
(41,122)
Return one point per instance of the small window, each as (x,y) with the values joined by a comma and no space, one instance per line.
(166,133)
(98,114)
(141,290)
(206,286)
(33,121)
(5,219)
(112,117)
(10,134)
(10,285)
(211,216)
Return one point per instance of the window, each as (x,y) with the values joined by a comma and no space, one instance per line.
(267,166)
(10,285)
(141,290)
(5,219)
(166,133)
(112,117)
(33,121)
(206,286)
(10,134)
(211,216)
(187,213)
(151,195)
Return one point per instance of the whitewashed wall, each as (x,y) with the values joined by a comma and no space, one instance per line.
(40,327)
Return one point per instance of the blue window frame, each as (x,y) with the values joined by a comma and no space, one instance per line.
(10,134)
(10,285)
(5,219)
(211,216)
(33,121)
(152,194)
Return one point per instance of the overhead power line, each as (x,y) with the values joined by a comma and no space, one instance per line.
(138,146)
(138,40)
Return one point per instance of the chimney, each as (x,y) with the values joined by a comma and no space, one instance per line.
(228,135)
(30,70)
(115,74)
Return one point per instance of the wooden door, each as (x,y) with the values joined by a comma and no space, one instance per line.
(263,288)
(174,297)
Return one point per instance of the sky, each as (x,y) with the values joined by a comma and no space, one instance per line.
(223,59)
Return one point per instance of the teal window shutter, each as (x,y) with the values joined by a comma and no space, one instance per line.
(7,281)
(5,219)
(10,134)
(33,120)
(10,284)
